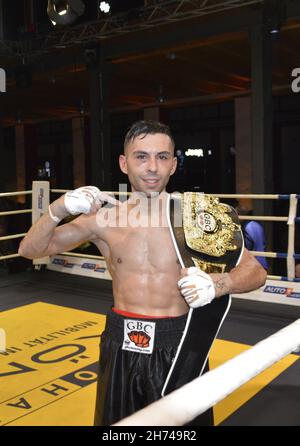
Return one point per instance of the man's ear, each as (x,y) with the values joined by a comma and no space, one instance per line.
(123,163)
(174,165)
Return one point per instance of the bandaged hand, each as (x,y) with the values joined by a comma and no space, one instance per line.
(86,200)
(197,288)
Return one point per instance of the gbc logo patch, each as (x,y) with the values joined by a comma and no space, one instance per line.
(138,336)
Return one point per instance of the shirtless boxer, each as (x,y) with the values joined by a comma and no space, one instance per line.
(150,306)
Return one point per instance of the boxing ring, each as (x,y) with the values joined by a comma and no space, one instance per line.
(181,406)
(283,289)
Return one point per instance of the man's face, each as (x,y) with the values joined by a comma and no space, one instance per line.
(149,162)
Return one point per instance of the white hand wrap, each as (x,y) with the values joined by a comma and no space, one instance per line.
(197,288)
(79,201)
(53,217)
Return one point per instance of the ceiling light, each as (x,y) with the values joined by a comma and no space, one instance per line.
(195,152)
(274,31)
(62,12)
(104,7)
(61,7)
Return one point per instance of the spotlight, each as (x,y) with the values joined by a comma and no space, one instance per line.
(275,30)
(104,7)
(274,15)
(62,12)
(61,8)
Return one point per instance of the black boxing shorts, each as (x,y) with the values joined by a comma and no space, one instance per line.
(136,353)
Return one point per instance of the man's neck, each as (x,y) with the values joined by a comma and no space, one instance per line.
(149,205)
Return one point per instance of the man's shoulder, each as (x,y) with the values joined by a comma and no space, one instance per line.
(107,217)
(110,212)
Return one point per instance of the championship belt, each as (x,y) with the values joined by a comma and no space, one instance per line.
(206,234)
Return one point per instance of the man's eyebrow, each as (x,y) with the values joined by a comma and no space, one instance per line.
(164,152)
(140,151)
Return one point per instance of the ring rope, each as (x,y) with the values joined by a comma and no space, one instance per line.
(11,237)
(15,194)
(24,211)
(63,191)
(194,398)
(83,256)
(10,256)
(253,196)
(262,218)
(283,278)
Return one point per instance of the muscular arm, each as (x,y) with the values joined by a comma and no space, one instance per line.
(199,288)
(248,275)
(44,238)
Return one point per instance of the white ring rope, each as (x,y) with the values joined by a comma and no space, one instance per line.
(82,256)
(15,194)
(10,256)
(290,220)
(194,398)
(262,218)
(24,211)
(11,237)
(252,196)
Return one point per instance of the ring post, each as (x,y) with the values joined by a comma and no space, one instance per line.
(40,203)
(291,237)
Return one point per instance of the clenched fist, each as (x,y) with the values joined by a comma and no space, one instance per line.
(86,200)
(197,288)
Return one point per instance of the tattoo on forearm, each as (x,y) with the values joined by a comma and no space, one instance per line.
(221,284)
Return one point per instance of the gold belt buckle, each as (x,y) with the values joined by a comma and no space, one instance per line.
(210,228)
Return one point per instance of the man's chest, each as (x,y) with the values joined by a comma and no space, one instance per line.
(142,247)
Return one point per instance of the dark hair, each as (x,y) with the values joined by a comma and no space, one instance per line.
(147,128)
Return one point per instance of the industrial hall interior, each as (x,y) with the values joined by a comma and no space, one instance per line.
(149,213)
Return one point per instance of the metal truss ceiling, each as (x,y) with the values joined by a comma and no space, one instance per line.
(140,19)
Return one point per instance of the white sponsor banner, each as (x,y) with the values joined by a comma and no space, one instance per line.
(275,291)
(80,266)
